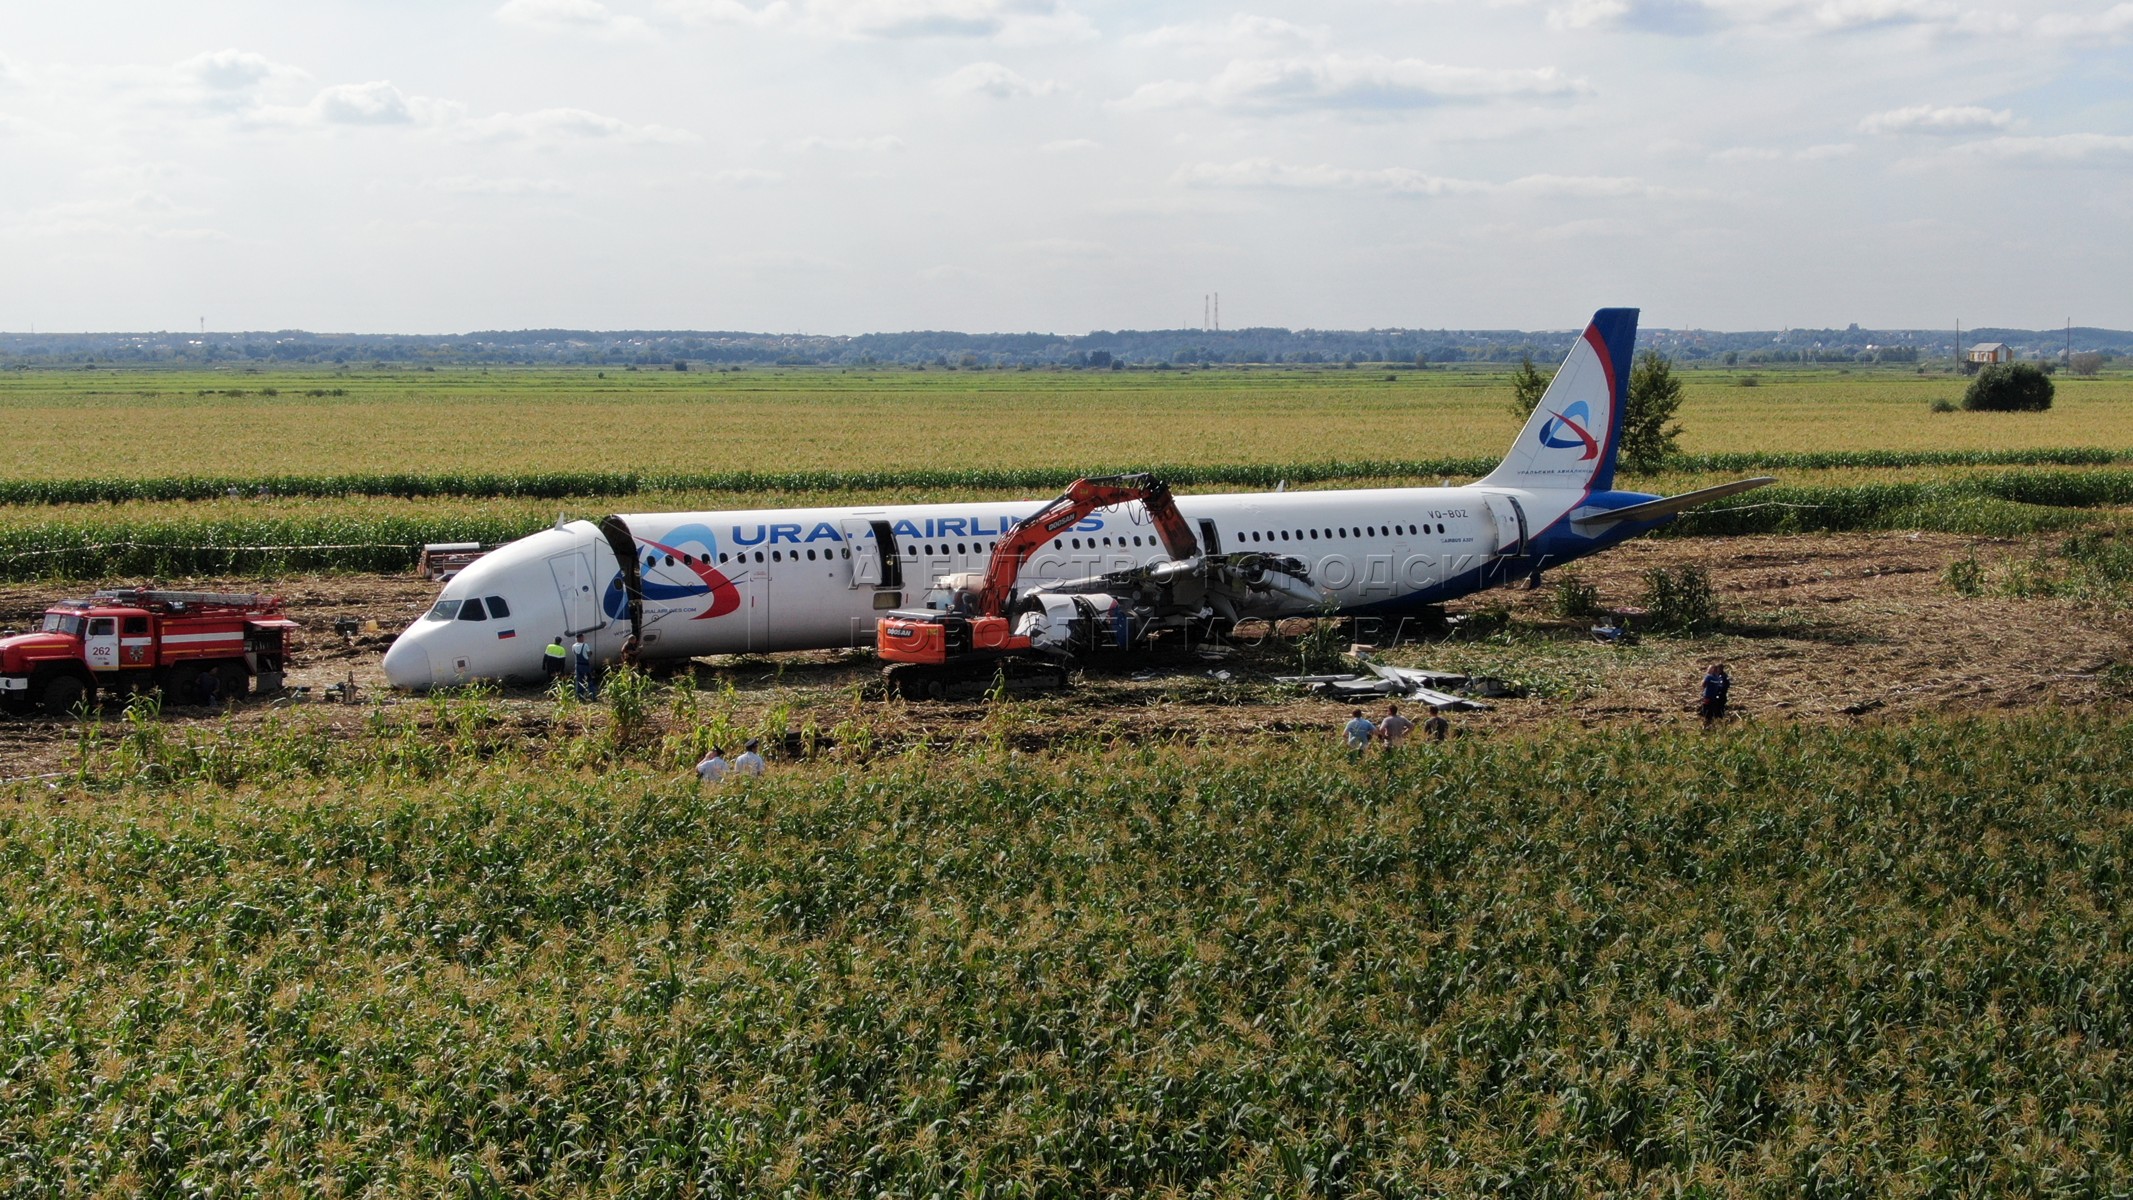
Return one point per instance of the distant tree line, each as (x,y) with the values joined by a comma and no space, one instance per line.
(945,350)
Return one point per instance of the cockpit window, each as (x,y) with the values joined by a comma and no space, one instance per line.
(471,611)
(497,607)
(62,623)
(445,610)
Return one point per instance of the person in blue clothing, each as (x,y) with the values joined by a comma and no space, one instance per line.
(581,666)
(1359,730)
(1717,689)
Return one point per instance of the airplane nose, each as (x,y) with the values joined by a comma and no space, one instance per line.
(407,664)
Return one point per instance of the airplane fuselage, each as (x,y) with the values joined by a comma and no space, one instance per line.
(792,579)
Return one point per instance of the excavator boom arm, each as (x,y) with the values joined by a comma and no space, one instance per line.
(1081,498)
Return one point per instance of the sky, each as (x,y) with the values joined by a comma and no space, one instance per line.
(853,166)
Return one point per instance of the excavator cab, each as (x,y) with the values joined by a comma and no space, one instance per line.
(968,631)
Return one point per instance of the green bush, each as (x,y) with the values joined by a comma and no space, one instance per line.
(1574,598)
(1680,600)
(2009,387)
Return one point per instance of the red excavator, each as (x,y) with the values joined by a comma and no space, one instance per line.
(975,638)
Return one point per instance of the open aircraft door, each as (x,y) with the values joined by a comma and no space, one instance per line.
(1510,519)
(875,563)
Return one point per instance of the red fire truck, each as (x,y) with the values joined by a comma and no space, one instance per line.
(196,646)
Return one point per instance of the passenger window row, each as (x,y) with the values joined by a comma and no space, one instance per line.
(1342,531)
(741,557)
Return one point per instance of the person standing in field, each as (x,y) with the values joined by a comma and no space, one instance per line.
(1717,689)
(713,768)
(553,658)
(1359,731)
(1436,728)
(1393,730)
(581,661)
(749,762)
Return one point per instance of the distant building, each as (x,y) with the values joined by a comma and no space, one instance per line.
(1985,353)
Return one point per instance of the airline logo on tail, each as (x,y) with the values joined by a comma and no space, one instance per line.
(1574,419)
(681,569)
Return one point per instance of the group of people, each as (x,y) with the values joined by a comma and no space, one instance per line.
(1393,729)
(577,660)
(714,768)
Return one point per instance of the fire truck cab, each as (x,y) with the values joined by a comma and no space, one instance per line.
(198,647)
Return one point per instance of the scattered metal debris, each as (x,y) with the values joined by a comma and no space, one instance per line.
(1433,688)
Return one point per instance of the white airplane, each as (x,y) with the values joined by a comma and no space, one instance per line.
(690,584)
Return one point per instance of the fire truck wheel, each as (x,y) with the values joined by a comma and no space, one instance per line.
(65,693)
(235,683)
(181,684)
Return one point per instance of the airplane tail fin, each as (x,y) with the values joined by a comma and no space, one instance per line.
(1575,431)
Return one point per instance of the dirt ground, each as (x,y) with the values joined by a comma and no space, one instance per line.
(1825,628)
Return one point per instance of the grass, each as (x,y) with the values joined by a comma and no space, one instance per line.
(154,424)
(1877,961)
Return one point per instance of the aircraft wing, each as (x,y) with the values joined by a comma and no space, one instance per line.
(1652,510)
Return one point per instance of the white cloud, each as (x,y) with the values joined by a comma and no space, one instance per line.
(2115,22)
(1688,18)
(885,144)
(479,185)
(375,103)
(1015,21)
(21,129)
(1267,173)
(1847,15)
(570,124)
(749,177)
(727,12)
(1929,118)
(2060,149)
(1589,187)
(1587,230)
(147,216)
(1405,181)
(1065,249)
(233,78)
(1681,18)
(1018,22)
(781,260)
(578,18)
(219,81)
(1336,81)
(1070,146)
(1748,154)
(992,79)
(1242,34)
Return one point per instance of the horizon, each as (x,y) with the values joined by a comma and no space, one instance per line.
(1115,330)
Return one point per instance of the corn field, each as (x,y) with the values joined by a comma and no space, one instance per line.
(1849,962)
(582,484)
(360,533)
